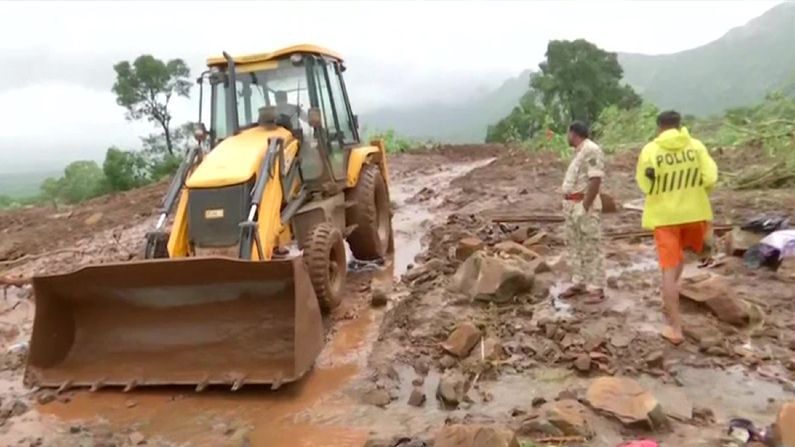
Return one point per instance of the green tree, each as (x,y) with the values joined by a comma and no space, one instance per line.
(51,190)
(523,123)
(125,170)
(578,80)
(82,180)
(146,87)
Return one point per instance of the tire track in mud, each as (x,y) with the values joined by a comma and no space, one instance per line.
(177,416)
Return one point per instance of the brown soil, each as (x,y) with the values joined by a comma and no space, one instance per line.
(376,357)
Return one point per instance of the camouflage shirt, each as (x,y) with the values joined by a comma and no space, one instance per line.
(588,162)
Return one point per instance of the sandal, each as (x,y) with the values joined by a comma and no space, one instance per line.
(572,291)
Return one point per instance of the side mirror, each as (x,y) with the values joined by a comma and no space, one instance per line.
(314,117)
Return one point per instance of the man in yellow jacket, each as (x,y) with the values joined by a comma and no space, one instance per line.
(676,173)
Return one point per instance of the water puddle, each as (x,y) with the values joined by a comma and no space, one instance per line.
(217,417)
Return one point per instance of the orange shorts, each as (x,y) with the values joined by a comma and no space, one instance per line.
(672,241)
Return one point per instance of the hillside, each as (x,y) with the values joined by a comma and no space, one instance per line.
(736,70)
(460,123)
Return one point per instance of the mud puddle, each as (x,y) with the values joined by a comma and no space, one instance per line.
(308,412)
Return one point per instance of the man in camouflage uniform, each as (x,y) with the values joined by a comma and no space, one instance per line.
(581,209)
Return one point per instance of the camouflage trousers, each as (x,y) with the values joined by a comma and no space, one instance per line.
(584,243)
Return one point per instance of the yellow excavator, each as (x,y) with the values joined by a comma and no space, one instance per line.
(248,250)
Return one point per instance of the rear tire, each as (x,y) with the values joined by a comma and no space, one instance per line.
(324,256)
(371,214)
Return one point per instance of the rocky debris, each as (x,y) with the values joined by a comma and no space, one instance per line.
(785,424)
(703,415)
(539,266)
(417,398)
(565,417)
(714,292)
(493,349)
(12,407)
(424,272)
(421,366)
(137,438)
(473,435)
(377,397)
(626,400)
(655,359)
(462,340)
(535,239)
(612,282)
(452,388)
(488,278)
(447,361)
(622,339)
(94,218)
(583,363)
(514,249)
(467,247)
(46,396)
(380,295)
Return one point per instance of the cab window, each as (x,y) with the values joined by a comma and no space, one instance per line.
(331,126)
(343,111)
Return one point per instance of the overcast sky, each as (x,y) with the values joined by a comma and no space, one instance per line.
(55,99)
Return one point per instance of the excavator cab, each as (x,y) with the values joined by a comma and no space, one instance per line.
(249,247)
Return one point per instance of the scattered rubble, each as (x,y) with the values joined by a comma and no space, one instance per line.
(626,400)
(452,388)
(475,436)
(462,340)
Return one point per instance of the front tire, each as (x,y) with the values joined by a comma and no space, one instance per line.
(324,256)
(370,212)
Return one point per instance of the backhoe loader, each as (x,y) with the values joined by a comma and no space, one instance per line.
(248,250)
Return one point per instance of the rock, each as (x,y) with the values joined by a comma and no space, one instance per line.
(703,414)
(75,429)
(447,361)
(380,295)
(709,342)
(520,235)
(93,219)
(493,349)
(130,403)
(624,399)
(473,435)
(462,340)
(417,398)
(137,438)
(655,359)
(608,203)
(488,278)
(785,424)
(512,248)
(378,398)
(421,366)
(467,247)
(568,416)
(418,381)
(739,241)
(538,401)
(539,266)
(714,292)
(451,388)
(12,408)
(675,402)
(622,339)
(583,363)
(432,268)
(46,396)
(535,239)
(612,282)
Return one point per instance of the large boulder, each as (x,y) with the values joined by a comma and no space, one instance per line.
(475,436)
(714,292)
(626,400)
(565,417)
(462,340)
(467,247)
(490,278)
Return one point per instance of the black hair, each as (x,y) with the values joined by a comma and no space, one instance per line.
(669,120)
(580,129)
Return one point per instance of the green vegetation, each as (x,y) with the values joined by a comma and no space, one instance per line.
(146,86)
(394,143)
(577,81)
(738,69)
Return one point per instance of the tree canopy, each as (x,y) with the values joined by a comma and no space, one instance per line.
(576,81)
(146,87)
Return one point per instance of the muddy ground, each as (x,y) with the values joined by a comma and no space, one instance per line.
(533,351)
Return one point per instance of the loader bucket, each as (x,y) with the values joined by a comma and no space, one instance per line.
(190,321)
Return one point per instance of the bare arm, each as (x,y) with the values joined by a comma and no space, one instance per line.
(594,183)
